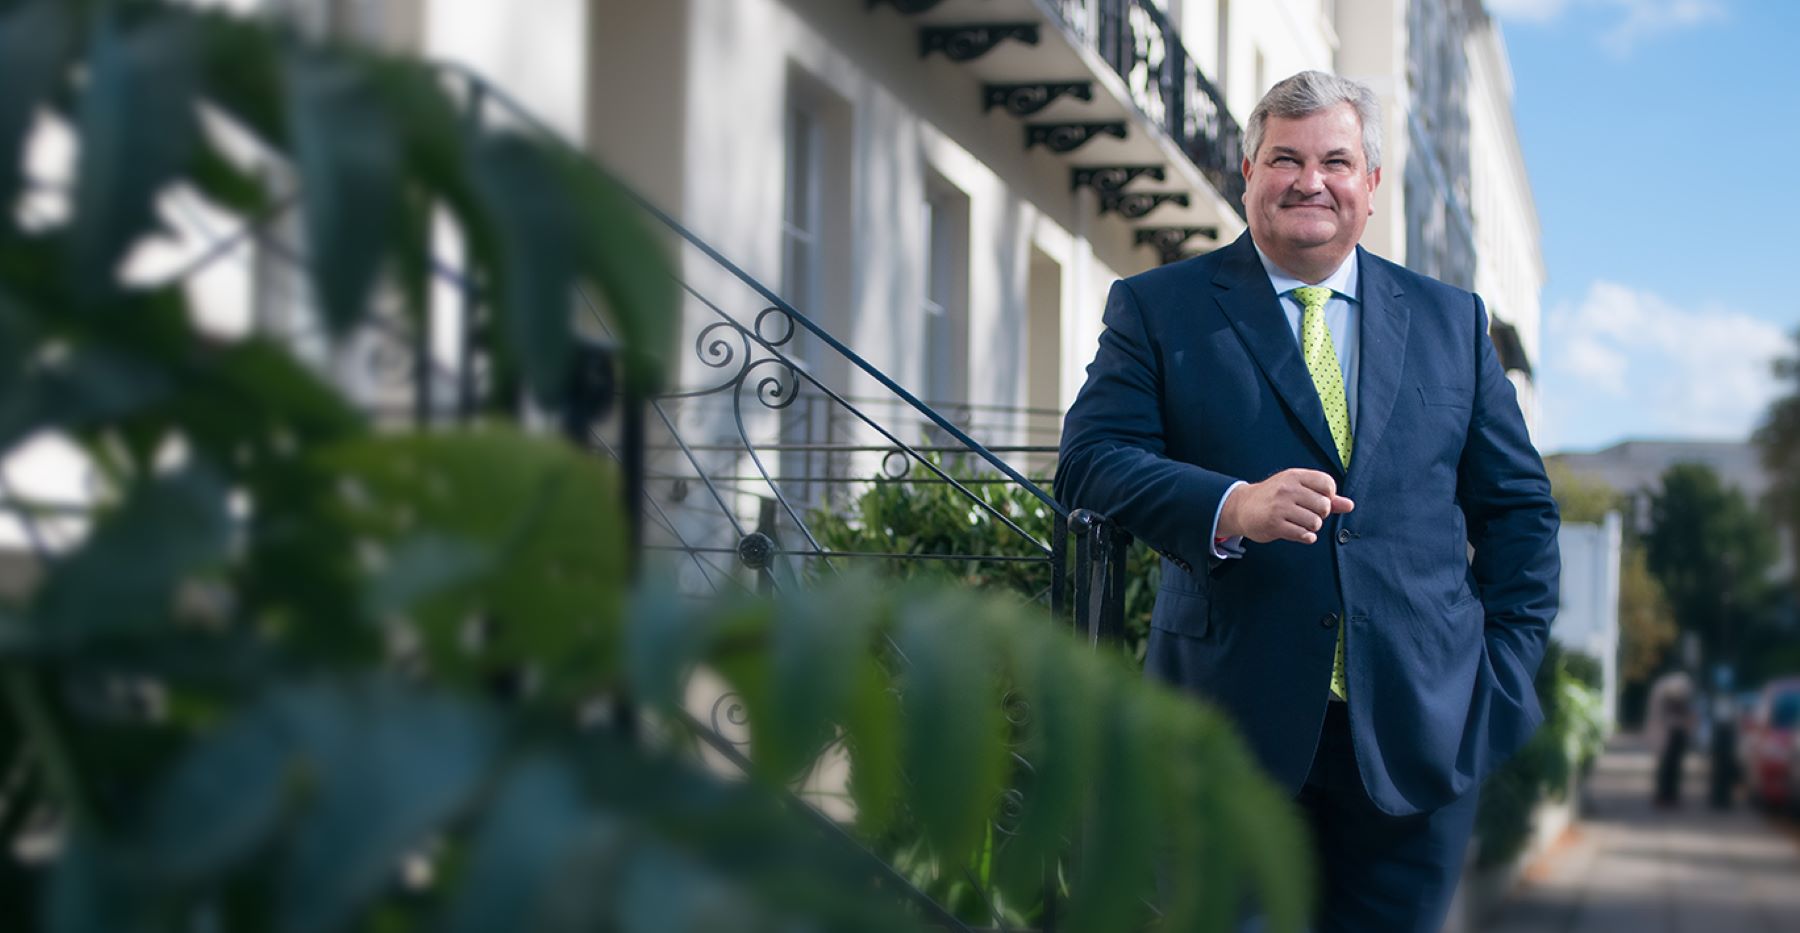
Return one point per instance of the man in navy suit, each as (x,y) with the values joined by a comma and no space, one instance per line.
(1359,543)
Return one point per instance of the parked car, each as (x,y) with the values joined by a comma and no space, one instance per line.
(1770,741)
(1793,800)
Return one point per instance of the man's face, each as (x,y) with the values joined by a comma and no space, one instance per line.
(1308,190)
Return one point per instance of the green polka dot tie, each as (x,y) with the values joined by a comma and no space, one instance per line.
(1328,379)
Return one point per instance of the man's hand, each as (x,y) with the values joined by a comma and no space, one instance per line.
(1290,506)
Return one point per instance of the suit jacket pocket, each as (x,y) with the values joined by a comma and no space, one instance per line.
(1183,612)
(1441,396)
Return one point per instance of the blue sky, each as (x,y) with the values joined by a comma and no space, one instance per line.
(1663,142)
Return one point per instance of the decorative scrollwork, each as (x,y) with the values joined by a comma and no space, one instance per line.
(1067,137)
(1149,51)
(1010,812)
(787,333)
(715,351)
(1135,204)
(892,457)
(1104,178)
(1016,709)
(1168,240)
(729,709)
(1022,100)
(973,40)
(777,390)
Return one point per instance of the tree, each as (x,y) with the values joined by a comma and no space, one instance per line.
(1779,439)
(295,652)
(1581,498)
(1712,553)
(1646,625)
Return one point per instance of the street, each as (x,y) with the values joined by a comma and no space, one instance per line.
(1627,866)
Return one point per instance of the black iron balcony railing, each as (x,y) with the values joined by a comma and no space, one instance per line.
(1138,42)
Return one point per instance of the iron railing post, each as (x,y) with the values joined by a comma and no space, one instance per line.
(1059,566)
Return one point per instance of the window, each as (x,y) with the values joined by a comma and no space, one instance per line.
(944,352)
(800,212)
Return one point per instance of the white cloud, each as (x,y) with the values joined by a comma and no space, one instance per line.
(1646,18)
(1659,369)
(1627,22)
(1535,11)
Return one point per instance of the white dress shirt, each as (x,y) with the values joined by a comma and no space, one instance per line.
(1343,314)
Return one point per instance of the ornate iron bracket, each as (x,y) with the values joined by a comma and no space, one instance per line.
(906,7)
(1022,100)
(1105,178)
(1067,137)
(1134,204)
(1168,240)
(972,40)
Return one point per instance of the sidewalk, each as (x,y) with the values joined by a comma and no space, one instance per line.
(1628,867)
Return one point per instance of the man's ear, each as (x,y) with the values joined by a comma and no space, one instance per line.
(1374,182)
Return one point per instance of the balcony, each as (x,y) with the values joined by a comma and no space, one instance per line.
(1106,86)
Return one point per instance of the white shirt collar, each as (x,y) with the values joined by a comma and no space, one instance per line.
(1343,281)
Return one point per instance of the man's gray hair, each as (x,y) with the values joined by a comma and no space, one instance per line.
(1308,93)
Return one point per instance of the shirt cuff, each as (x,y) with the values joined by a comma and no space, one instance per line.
(1225,548)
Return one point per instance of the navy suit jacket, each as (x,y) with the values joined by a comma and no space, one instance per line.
(1198,383)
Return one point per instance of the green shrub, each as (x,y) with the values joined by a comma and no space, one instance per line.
(1549,765)
(934,518)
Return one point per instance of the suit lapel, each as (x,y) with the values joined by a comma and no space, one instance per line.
(1249,302)
(1383,331)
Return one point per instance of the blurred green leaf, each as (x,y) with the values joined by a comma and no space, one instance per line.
(816,653)
(126,573)
(554,591)
(537,230)
(137,128)
(220,801)
(239,62)
(89,386)
(1061,745)
(34,41)
(348,161)
(951,726)
(625,260)
(89,892)
(662,891)
(520,852)
(1114,855)
(873,739)
(422,566)
(665,636)
(389,766)
(222,182)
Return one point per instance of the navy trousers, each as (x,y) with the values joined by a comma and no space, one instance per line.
(1378,873)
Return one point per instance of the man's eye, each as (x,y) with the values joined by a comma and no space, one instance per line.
(1286,160)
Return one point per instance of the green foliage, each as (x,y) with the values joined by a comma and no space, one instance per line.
(1712,553)
(1778,437)
(1581,498)
(922,517)
(303,676)
(1563,749)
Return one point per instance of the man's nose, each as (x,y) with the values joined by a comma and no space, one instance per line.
(1309,180)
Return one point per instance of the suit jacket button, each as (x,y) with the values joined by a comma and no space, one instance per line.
(1343,536)
(1330,620)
